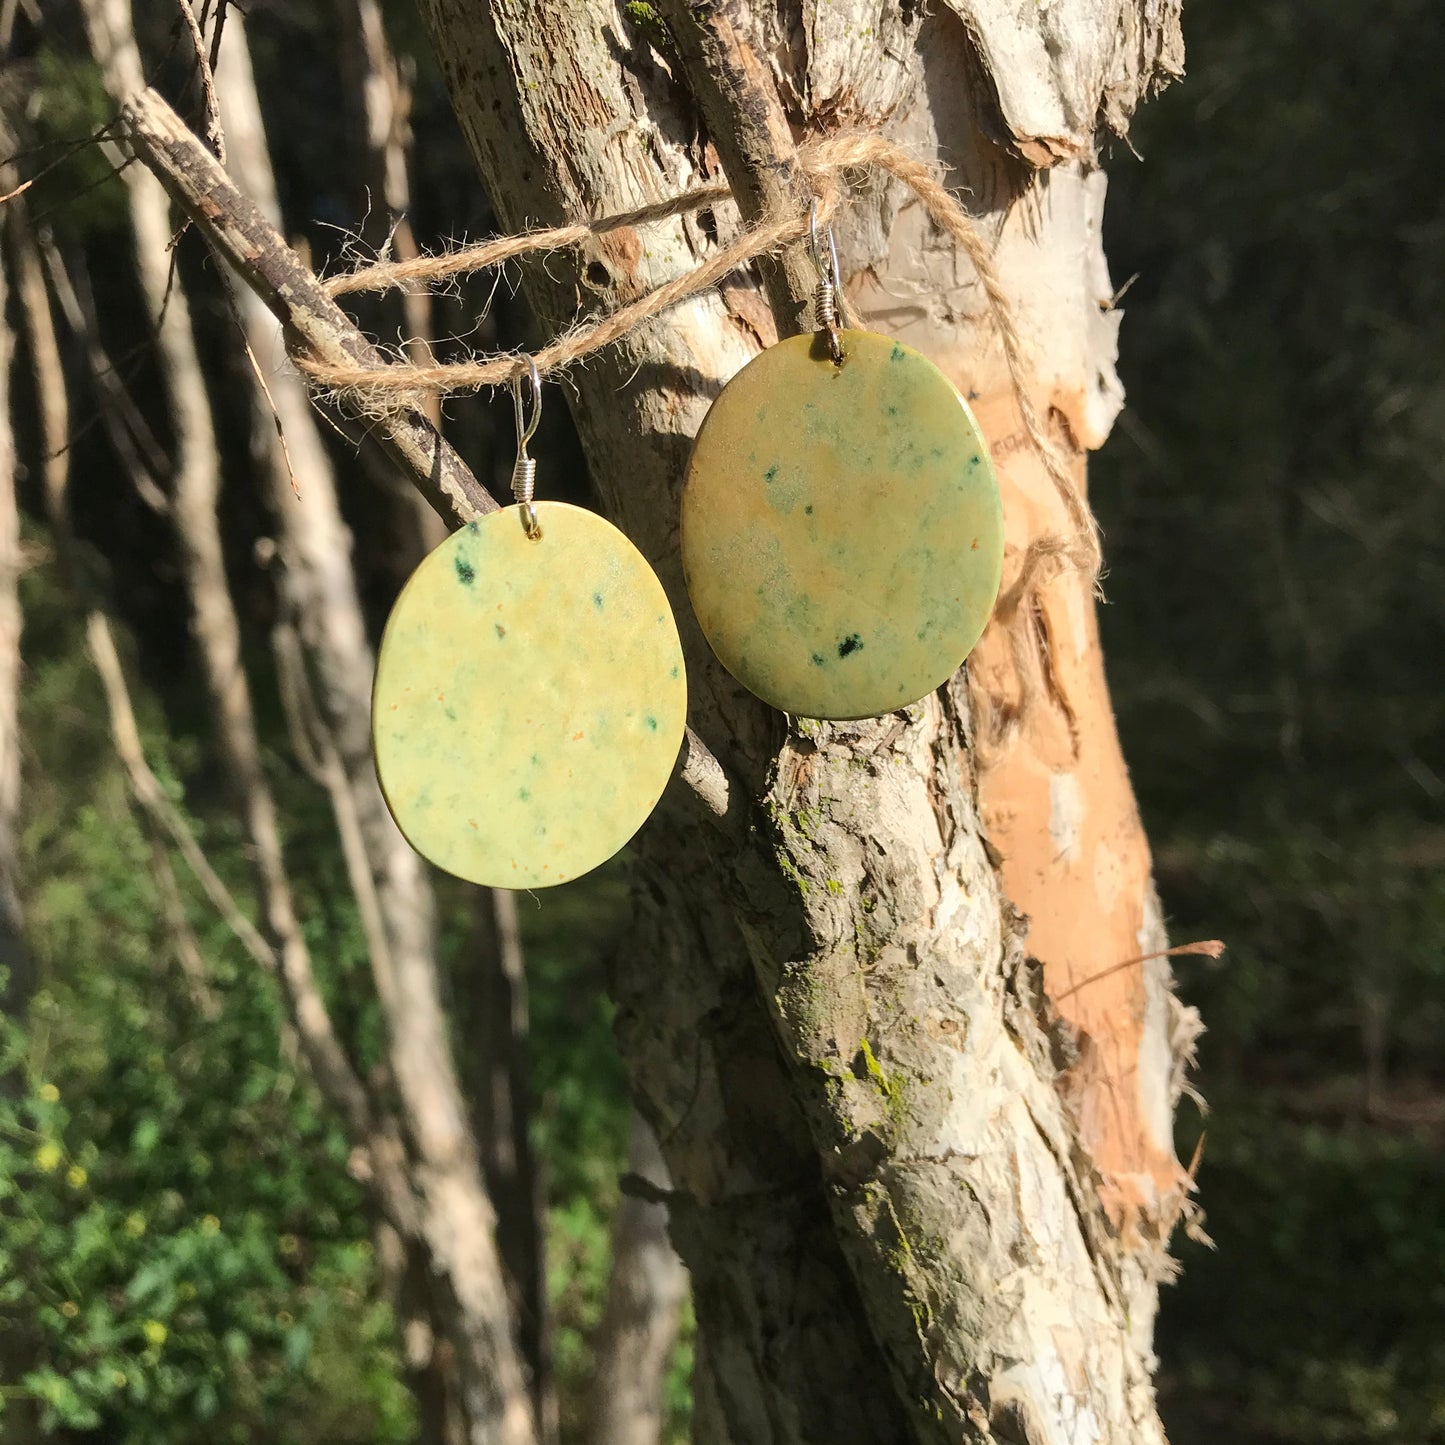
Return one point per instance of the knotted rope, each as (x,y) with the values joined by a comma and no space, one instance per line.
(824,162)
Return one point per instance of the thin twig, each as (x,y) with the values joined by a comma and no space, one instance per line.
(265,391)
(1207,948)
(237,229)
(315,743)
(100,643)
(214,134)
(129,432)
(183,938)
(221,6)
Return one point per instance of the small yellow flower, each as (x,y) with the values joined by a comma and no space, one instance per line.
(48,1157)
(117,1378)
(75,1176)
(155,1332)
(210,1224)
(49,1093)
(70,1309)
(289,1245)
(135,1225)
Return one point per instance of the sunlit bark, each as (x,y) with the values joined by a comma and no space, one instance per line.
(904,1215)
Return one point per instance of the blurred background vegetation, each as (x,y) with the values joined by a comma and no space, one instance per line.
(181,1244)
(1274,503)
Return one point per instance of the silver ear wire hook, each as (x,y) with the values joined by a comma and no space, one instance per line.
(825,298)
(524,470)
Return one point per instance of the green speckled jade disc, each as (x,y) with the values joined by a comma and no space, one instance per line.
(529,699)
(841,531)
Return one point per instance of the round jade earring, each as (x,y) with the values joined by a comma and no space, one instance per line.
(842,537)
(530,698)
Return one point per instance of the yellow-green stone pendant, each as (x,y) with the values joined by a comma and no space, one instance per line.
(529,700)
(842,537)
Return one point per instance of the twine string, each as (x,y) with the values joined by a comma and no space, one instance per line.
(825,162)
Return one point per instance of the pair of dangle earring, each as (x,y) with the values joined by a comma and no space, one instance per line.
(842,541)
(530,694)
(842,536)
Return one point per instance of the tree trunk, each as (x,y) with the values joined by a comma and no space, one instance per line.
(645,1291)
(456,1220)
(16,984)
(17,1346)
(381,85)
(915,1200)
(491,1016)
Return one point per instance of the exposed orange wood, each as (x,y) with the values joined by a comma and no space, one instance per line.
(1058,805)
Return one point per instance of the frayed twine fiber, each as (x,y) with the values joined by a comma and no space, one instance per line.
(823,161)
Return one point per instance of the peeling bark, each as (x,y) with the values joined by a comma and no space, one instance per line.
(1066,74)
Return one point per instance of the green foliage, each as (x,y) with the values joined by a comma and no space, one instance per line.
(184,1256)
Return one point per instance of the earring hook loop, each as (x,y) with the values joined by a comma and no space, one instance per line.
(526,430)
(524,470)
(827,269)
(826,297)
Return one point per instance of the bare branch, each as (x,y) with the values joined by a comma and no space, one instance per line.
(17,981)
(734,89)
(237,229)
(183,938)
(100,643)
(315,742)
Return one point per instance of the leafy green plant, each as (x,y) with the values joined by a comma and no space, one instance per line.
(184,1255)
